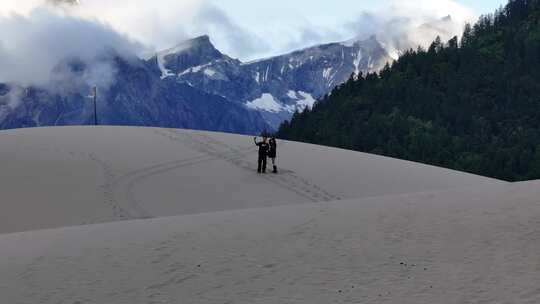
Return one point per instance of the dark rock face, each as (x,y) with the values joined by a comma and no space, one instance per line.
(138,97)
(191,53)
(192,85)
(287,83)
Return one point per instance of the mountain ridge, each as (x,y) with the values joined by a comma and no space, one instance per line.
(277,86)
(202,87)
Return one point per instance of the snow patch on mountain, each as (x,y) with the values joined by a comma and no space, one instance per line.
(327,73)
(197,69)
(302,100)
(357,61)
(292,94)
(161,64)
(209,72)
(191,70)
(162,61)
(307,101)
(266,102)
(216,75)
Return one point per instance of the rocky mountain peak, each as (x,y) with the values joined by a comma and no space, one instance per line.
(191,53)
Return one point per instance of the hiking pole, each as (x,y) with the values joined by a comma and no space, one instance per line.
(94,99)
(94,94)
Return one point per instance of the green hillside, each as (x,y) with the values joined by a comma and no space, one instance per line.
(471,104)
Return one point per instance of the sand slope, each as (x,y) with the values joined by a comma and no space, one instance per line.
(56,177)
(334,226)
(472,245)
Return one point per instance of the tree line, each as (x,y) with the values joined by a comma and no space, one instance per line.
(470,104)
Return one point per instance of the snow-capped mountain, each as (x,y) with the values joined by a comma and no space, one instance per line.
(277,86)
(137,97)
(193,85)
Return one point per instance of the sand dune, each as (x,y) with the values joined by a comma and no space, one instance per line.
(469,245)
(175,216)
(56,177)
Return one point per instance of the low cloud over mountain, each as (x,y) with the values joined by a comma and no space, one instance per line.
(403,25)
(137,27)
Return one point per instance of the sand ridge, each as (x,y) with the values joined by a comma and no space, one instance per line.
(55,177)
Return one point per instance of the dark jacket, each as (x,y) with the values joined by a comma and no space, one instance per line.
(273,148)
(263,148)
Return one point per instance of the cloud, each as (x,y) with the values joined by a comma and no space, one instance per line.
(401,25)
(63,2)
(32,45)
(310,35)
(11,99)
(227,34)
(163,23)
(157,24)
(43,42)
(35,35)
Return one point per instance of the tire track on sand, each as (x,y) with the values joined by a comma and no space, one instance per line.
(215,148)
(211,149)
(121,189)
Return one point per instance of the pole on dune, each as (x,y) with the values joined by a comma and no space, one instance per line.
(94,95)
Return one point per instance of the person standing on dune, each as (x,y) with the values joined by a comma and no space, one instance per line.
(263,153)
(272,153)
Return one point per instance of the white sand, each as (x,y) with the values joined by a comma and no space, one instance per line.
(401,233)
(459,246)
(56,177)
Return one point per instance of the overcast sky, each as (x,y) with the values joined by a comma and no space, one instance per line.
(283,20)
(261,14)
(244,29)
(249,29)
